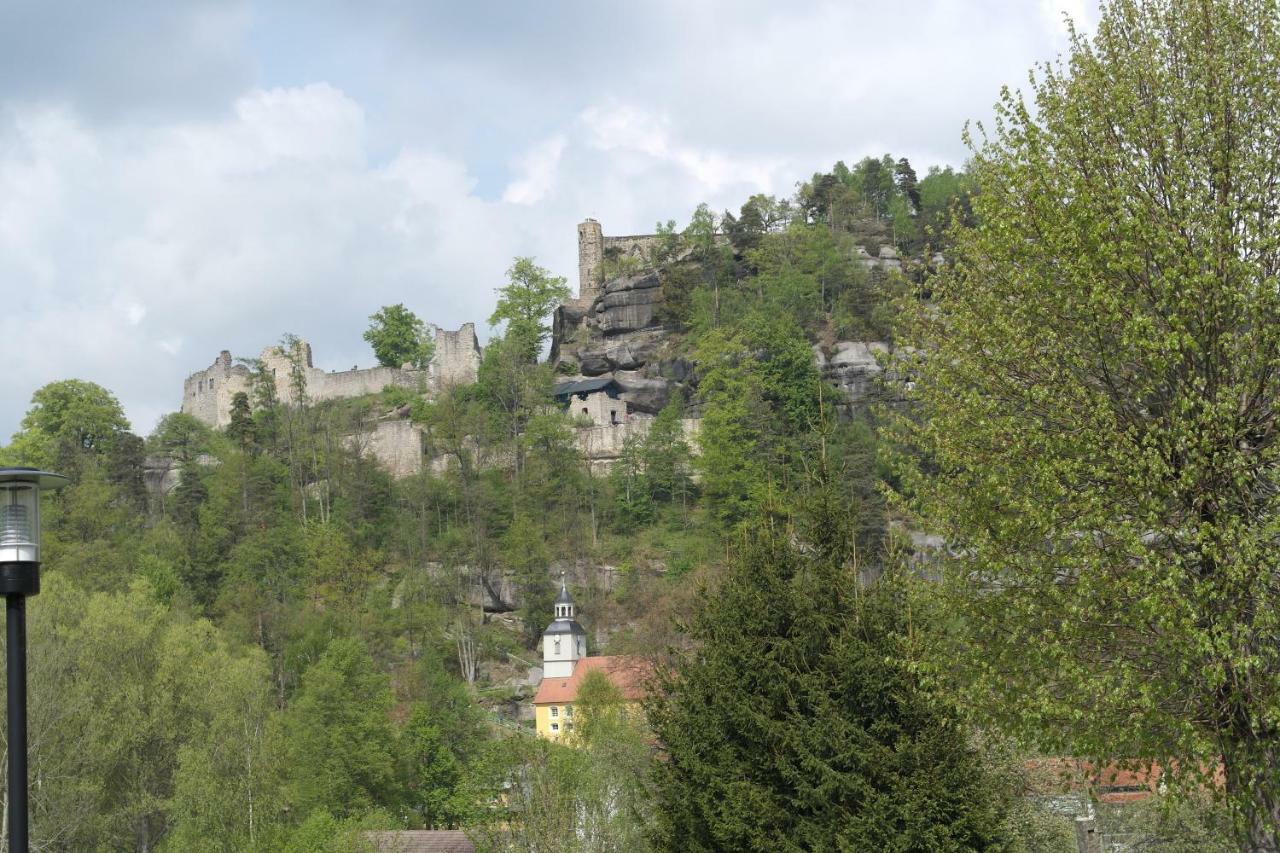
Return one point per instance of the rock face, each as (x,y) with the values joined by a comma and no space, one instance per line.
(642,394)
(627,304)
(617,332)
(854,367)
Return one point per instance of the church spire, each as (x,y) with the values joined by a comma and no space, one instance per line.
(564,642)
(564,601)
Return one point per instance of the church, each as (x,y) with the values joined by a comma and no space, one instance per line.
(565,664)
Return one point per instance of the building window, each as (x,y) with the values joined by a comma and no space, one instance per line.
(568,710)
(584,411)
(555,727)
(613,416)
(555,712)
(568,727)
(556,645)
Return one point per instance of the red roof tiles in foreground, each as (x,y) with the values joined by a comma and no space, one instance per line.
(1118,782)
(421,841)
(628,674)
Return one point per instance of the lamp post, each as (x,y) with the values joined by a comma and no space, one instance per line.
(19,577)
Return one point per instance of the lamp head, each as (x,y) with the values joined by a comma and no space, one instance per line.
(20,512)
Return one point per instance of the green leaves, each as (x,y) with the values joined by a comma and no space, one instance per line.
(524,303)
(398,337)
(796,721)
(1097,403)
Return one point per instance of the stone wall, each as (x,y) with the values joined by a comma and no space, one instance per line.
(594,247)
(599,408)
(397,445)
(602,445)
(457,357)
(207,394)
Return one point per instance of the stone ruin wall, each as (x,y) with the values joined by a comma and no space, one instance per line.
(457,357)
(602,445)
(207,394)
(396,444)
(594,247)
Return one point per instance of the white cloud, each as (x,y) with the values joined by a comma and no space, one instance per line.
(538,170)
(146,222)
(1082,13)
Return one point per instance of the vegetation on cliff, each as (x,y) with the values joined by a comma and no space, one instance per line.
(283,646)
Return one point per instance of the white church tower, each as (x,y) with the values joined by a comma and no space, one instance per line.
(564,642)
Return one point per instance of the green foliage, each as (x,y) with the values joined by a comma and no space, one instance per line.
(398,337)
(434,773)
(1097,400)
(761,392)
(183,436)
(72,423)
(557,797)
(524,303)
(799,721)
(338,735)
(1192,822)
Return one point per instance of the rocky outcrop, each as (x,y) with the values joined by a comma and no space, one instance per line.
(627,304)
(641,393)
(856,369)
(618,332)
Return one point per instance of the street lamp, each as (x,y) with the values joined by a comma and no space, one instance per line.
(20,577)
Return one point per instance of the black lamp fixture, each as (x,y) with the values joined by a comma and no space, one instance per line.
(19,577)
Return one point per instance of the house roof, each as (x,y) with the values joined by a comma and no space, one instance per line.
(582,386)
(421,841)
(565,626)
(628,673)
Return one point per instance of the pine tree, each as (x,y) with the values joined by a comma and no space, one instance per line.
(797,721)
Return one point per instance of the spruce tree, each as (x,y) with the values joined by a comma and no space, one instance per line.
(796,721)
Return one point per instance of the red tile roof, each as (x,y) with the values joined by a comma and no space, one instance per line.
(629,674)
(421,841)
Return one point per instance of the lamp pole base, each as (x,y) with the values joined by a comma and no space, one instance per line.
(19,578)
(17,581)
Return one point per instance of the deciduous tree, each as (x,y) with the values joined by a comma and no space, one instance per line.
(398,337)
(1099,400)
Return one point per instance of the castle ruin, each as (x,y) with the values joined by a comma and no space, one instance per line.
(207,394)
(594,247)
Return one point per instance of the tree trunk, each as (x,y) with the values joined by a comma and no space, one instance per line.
(1251,772)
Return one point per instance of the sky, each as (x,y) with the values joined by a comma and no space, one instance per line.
(182,178)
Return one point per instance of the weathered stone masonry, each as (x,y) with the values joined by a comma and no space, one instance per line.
(207,394)
(594,247)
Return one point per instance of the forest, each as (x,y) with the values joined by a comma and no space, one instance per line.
(290,648)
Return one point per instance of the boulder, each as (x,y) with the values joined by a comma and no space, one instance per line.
(676,369)
(628,356)
(644,281)
(641,393)
(853,368)
(627,304)
(625,316)
(566,320)
(593,363)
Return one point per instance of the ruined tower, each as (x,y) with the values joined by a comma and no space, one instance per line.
(590,254)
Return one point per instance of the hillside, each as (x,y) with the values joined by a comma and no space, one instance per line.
(343,645)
